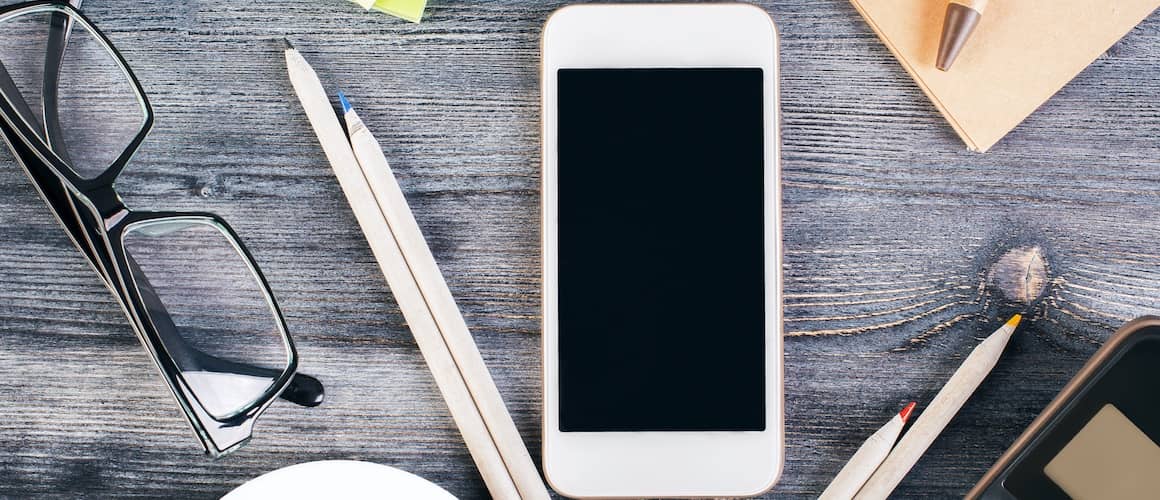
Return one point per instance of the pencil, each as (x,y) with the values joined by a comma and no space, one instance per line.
(868,457)
(447,377)
(939,413)
(441,306)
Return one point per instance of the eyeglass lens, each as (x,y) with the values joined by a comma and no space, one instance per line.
(69,88)
(211,311)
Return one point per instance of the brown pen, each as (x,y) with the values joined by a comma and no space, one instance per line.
(961,18)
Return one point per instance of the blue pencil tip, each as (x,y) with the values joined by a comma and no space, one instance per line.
(346,107)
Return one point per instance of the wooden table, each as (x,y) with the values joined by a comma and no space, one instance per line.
(891,232)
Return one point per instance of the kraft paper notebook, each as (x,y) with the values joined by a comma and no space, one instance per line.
(1021,53)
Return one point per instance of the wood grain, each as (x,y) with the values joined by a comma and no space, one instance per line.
(891,229)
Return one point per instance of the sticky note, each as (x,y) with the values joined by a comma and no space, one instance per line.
(411,10)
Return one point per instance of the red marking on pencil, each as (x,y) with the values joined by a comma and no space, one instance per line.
(905,413)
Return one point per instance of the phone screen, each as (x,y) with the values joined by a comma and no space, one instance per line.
(661,251)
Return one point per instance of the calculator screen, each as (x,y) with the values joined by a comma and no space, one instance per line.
(1109,458)
(1104,442)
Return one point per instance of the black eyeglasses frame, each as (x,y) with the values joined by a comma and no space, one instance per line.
(96,219)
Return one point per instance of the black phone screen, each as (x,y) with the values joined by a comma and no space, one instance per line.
(661,285)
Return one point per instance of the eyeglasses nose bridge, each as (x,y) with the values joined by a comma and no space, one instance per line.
(107,203)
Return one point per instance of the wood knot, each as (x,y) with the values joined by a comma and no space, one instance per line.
(1021,274)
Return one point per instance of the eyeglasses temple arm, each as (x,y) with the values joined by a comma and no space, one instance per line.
(9,89)
(60,28)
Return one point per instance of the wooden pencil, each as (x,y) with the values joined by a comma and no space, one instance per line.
(867,459)
(938,414)
(442,307)
(443,367)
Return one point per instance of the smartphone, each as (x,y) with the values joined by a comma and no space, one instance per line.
(661,251)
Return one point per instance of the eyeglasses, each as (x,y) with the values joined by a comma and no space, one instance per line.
(73,115)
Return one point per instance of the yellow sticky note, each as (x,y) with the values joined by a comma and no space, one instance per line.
(411,10)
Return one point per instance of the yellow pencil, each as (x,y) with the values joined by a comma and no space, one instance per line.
(939,413)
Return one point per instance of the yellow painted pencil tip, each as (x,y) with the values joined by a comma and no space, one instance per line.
(1014,321)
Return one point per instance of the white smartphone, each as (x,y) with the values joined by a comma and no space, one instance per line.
(661,251)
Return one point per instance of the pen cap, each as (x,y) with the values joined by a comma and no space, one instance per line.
(959,23)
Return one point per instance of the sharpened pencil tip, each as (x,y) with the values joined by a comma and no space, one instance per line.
(346,107)
(1014,321)
(907,410)
(289,46)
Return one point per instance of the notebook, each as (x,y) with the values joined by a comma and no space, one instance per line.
(1021,53)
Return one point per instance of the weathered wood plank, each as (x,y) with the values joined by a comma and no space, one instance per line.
(890,230)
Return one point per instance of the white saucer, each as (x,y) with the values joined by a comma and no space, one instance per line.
(347,479)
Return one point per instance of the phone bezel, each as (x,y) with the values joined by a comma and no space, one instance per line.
(663,464)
